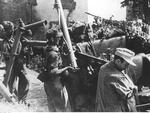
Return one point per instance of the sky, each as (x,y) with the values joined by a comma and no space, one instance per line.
(106,8)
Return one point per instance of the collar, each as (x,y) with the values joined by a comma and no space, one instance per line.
(112,64)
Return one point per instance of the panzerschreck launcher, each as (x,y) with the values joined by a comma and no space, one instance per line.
(63,24)
(15,47)
(13,53)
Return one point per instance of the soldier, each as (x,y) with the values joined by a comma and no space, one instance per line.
(18,70)
(115,90)
(8,40)
(1,36)
(57,95)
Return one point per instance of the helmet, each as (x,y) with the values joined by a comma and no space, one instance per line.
(8,26)
(53,35)
(50,33)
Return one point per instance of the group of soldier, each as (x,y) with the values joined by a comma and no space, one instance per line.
(115,89)
(52,72)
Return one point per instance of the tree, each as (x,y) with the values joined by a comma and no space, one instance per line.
(69,5)
(140,9)
(125,3)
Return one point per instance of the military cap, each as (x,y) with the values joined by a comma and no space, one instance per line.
(53,33)
(126,54)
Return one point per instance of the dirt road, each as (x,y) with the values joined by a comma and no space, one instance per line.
(36,96)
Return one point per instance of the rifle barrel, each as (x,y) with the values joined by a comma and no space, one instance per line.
(91,14)
(91,57)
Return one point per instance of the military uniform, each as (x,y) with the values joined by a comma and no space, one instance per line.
(52,76)
(57,95)
(18,71)
(18,74)
(115,91)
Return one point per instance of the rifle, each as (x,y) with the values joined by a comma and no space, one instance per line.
(99,17)
(93,15)
(79,54)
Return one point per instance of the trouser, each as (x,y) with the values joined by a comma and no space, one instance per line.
(19,85)
(57,98)
(18,82)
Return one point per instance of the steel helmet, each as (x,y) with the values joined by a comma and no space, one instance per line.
(8,26)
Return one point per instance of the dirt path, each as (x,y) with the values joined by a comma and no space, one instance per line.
(36,96)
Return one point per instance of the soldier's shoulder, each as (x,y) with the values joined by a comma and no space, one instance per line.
(113,77)
(107,66)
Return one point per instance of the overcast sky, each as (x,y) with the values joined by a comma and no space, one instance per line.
(106,8)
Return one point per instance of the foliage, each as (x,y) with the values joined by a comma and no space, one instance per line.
(135,2)
(36,63)
(125,3)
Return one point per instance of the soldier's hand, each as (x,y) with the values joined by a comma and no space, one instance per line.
(70,68)
(135,90)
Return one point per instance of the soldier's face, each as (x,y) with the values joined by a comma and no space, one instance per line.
(124,65)
(121,65)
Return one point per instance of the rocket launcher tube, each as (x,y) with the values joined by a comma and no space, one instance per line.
(66,33)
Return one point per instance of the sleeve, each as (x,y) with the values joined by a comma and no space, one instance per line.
(6,50)
(120,87)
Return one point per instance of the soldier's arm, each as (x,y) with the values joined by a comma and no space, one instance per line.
(58,71)
(120,88)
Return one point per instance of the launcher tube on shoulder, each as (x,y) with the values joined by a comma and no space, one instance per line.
(36,24)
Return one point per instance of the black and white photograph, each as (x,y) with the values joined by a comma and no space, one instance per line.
(74,56)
